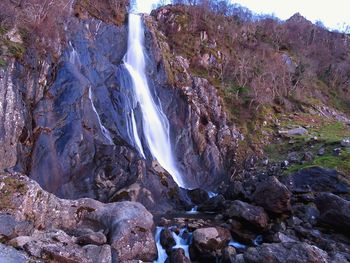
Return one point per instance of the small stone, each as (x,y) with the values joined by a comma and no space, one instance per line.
(345,142)
(337,151)
(321,151)
(294,132)
(308,156)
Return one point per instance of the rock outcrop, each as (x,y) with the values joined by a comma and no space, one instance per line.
(79,223)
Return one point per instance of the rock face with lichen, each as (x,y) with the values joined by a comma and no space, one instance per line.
(68,111)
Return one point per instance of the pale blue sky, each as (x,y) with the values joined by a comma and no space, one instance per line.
(333,14)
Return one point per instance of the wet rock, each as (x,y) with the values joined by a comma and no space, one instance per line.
(178,256)
(93,238)
(211,238)
(11,255)
(166,239)
(214,204)
(317,179)
(273,196)
(228,255)
(290,252)
(334,211)
(251,214)
(198,196)
(242,232)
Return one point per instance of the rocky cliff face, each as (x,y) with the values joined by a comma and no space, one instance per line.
(66,115)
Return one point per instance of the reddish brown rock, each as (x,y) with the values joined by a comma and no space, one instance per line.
(272,195)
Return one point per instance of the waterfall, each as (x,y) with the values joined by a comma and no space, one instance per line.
(155,125)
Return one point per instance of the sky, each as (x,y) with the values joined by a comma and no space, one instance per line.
(333,14)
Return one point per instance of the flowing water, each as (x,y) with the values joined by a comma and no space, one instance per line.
(183,240)
(155,125)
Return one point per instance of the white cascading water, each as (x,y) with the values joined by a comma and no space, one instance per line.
(154,122)
(180,240)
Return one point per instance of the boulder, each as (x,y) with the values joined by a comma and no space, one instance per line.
(214,204)
(178,256)
(292,252)
(254,215)
(242,232)
(228,254)
(334,211)
(128,224)
(272,195)
(211,238)
(317,179)
(166,239)
(235,191)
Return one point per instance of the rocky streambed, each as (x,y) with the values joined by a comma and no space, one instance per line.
(261,220)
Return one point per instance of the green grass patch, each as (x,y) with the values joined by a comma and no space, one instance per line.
(2,63)
(16,49)
(340,163)
(333,132)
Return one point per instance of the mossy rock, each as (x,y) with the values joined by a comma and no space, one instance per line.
(10,188)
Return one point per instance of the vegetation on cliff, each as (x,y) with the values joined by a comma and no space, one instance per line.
(263,68)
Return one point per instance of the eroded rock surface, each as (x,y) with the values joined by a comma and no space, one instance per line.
(128,225)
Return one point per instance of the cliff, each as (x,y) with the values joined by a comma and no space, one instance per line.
(258,113)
